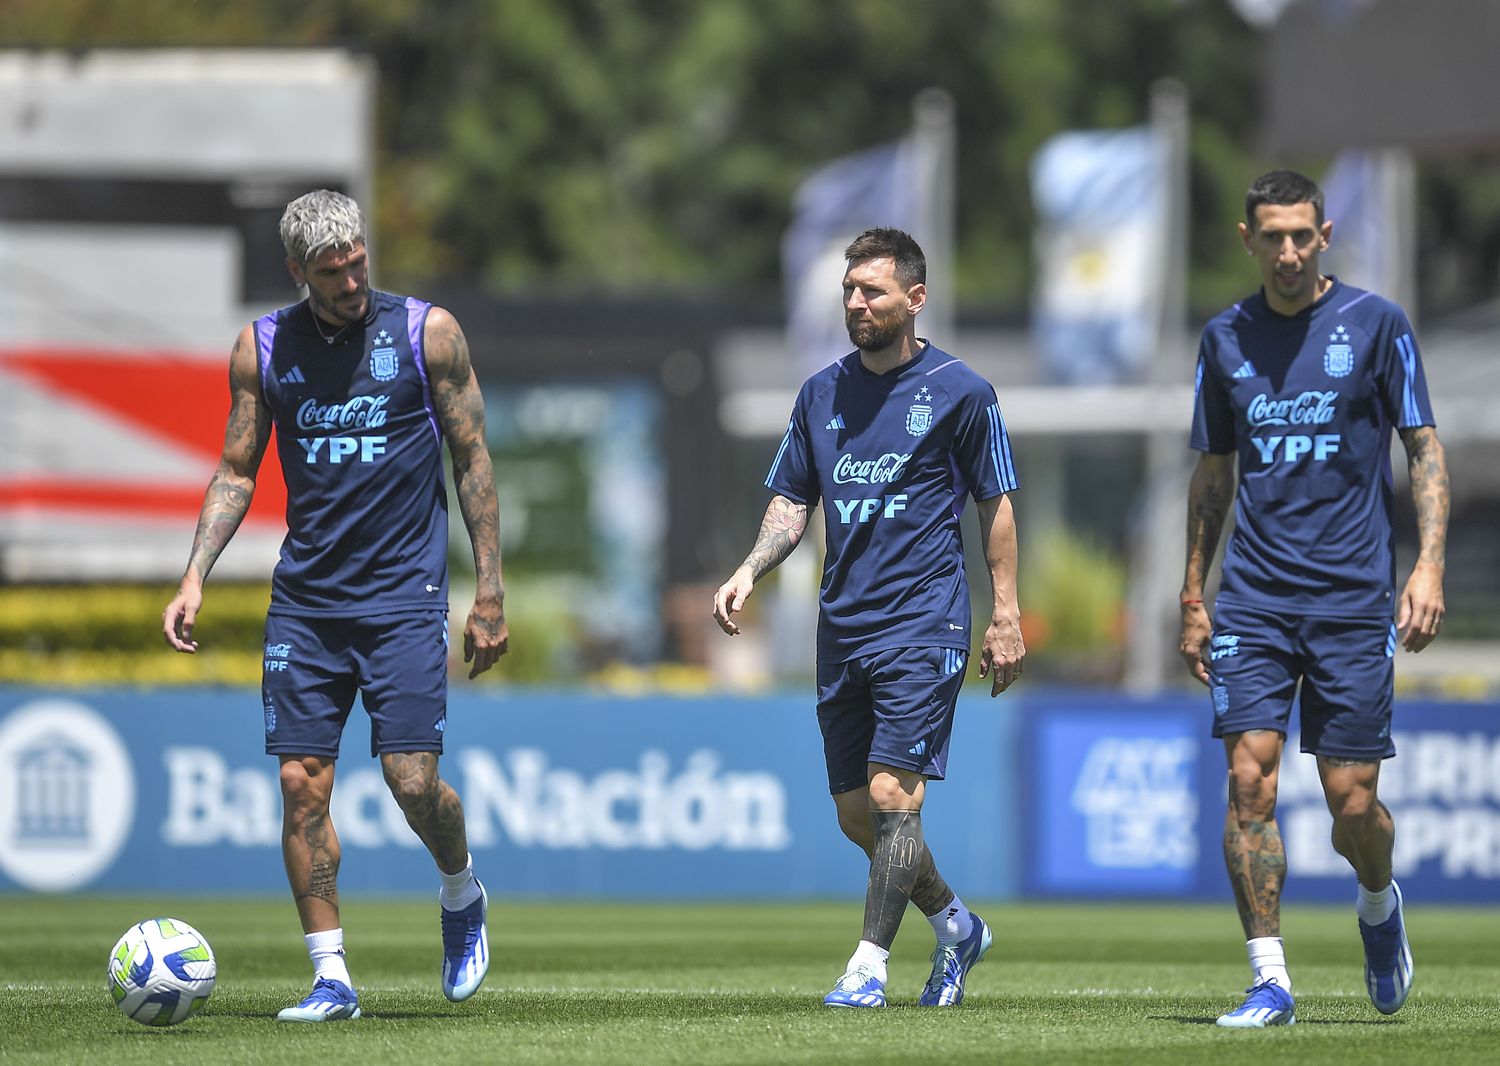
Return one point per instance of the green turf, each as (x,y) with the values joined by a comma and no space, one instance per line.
(718,984)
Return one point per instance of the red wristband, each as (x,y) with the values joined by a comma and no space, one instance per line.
(1187,603)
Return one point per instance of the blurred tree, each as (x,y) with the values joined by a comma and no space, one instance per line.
(589,144)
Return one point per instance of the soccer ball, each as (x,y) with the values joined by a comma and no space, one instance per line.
(161,971)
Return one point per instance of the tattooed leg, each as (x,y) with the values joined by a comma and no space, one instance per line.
(309,845)
(929,891)
(1257,869)
(1253,851)
(431,806)
(893,872)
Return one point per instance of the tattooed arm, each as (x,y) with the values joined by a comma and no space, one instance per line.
(460,411)
(1420,614)
(1209,496)
(780,530)
(229,491)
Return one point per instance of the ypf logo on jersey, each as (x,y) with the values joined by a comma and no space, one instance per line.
(1338,357)
(919,414)
(383,358)
(67,795)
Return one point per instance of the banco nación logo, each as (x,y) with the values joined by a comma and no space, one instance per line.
(67,795)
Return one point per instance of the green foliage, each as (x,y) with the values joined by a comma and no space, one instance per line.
(111,635)
(582,143)
(1077,588)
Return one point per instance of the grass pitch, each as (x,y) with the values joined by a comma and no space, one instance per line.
(717,984)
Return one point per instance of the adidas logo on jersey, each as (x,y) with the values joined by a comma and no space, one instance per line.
(293,377)
(1246,370)
(836,422)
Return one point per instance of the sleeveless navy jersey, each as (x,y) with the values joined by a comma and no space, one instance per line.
(1307,401)
(367,511)
(893,456)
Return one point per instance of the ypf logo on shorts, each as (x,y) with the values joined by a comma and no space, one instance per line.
(67,795)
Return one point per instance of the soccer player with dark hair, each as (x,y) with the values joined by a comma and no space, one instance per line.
(893,437)
(1302,384)
(361,389)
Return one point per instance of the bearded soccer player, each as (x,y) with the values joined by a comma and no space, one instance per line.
(893,437)
(361,389)
(1302,384)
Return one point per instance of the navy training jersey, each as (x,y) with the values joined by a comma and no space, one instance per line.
(1308,402)
(893,456)
(367,510)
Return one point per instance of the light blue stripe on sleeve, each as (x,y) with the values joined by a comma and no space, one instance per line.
(1000,455)
(1412,415)
(785,441)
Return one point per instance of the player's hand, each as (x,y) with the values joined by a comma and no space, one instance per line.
(486,636)
(1420,616)
(178,618)
(1197,631)
(731,597)
(1003,654)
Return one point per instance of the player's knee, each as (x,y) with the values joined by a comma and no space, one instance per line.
(1354,807)
(413,793)
(304,787)
(890,793)
(1252,796)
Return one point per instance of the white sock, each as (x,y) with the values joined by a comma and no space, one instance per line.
(871,957)
(1375,907)
(460,889)
(1268,961)
(326,949)
(953,923)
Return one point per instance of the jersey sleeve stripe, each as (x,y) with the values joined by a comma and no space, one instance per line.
(940,366)
(1000,455)
(785,442)
(1411,413)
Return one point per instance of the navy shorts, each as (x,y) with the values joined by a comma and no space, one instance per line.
(893,707)
(1346,667)
(398,663)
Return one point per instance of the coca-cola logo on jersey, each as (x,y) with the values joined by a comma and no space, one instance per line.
(849,470)
(1312,408)
(357,412)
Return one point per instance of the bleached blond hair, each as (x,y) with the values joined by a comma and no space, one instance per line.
(319,221)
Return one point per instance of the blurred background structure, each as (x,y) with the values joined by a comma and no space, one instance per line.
(636,211)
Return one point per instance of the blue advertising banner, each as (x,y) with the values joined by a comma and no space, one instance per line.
(564,794)
(1126,797)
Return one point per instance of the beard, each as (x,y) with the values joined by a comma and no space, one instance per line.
(873,335)
(344,309)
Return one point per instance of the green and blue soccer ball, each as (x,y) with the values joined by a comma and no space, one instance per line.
(161,972)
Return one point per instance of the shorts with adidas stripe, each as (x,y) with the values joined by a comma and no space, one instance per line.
(893,707)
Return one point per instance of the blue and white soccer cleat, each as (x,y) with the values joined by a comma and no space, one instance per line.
(857,988)
(466,948)
(1266,1003)
(329,1001)
(952,963)
(1388,966)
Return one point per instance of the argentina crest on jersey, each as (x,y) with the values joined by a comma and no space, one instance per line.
(383,358)
(1338,357)
(919,414)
